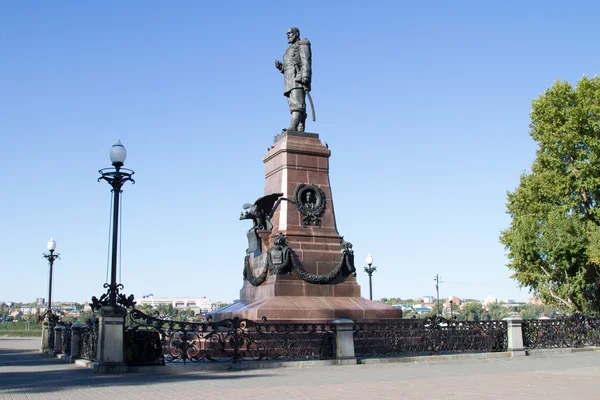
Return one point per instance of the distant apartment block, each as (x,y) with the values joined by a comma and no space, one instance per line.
(428,299)
(199,303)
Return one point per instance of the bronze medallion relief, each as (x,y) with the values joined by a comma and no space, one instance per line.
(310,201)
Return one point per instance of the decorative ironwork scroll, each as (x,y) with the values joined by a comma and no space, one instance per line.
(154,341)
(88,341)
(570,331)
(281,259)
(121,298)
(310,201)
(428,336)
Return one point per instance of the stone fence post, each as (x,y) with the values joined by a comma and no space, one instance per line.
(344,341)
(111,340)
(45,344)
(59,331)
(515,336)
(76,339)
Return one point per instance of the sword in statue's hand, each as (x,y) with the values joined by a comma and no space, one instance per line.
(305,83)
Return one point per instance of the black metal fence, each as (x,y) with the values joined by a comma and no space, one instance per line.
(150,340)
(428,336)
(153,341)
(51,326)
(88,341)
(569,331)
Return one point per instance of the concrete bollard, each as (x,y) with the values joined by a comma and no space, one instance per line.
(344,341)
(515,336)
(45,345)
(59,331)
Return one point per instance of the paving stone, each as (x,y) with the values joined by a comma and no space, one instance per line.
(26,374)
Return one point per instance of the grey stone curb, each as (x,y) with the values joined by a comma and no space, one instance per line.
(223,367)
(212,367)
(549,352)
(436,358)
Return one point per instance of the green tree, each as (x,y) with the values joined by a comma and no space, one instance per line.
(553,241)
(472,311)
(495,312)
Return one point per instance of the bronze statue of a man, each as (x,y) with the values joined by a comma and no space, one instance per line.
(297,72)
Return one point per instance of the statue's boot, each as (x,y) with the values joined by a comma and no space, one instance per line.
(295,121)
(302,122)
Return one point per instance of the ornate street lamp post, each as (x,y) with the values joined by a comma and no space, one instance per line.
(51,257)
(50,319)
(369,270)
(116,177)
(111,305)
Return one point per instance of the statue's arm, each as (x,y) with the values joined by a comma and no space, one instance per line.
(306,61)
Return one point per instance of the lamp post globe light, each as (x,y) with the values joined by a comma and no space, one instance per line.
(116,177)
(369,270)
(50,319)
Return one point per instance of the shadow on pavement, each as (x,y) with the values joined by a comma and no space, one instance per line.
(32,371)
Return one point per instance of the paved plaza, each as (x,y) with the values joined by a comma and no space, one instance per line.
(26,374)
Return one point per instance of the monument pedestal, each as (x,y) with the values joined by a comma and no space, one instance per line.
(297,165)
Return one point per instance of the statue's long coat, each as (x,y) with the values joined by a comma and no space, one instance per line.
(297,64)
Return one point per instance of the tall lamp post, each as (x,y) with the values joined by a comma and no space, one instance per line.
(369,270)
(50,320)
(111,305)
(51,257)
(116,177)
(437,289)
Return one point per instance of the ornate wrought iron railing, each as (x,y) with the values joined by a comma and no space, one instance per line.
(66,340)
(51,325)
(153,341)
(570,331)
(88,341)
(428,336)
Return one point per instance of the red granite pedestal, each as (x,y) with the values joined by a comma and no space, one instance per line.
(300,158)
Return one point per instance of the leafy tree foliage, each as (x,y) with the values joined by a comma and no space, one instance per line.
(472,311)
(553,241)
(534,311)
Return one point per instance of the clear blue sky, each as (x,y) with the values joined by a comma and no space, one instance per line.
(425,107)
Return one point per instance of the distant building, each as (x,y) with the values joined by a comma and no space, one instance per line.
(534,300)
(489,300)
(422,310)
(452,307)
(195,303)
(30,310)
(428,299)
(40,301)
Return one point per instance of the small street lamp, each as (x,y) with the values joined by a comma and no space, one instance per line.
(51,257)
(116,177)
(451,311)
(50,319)
(369,270)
